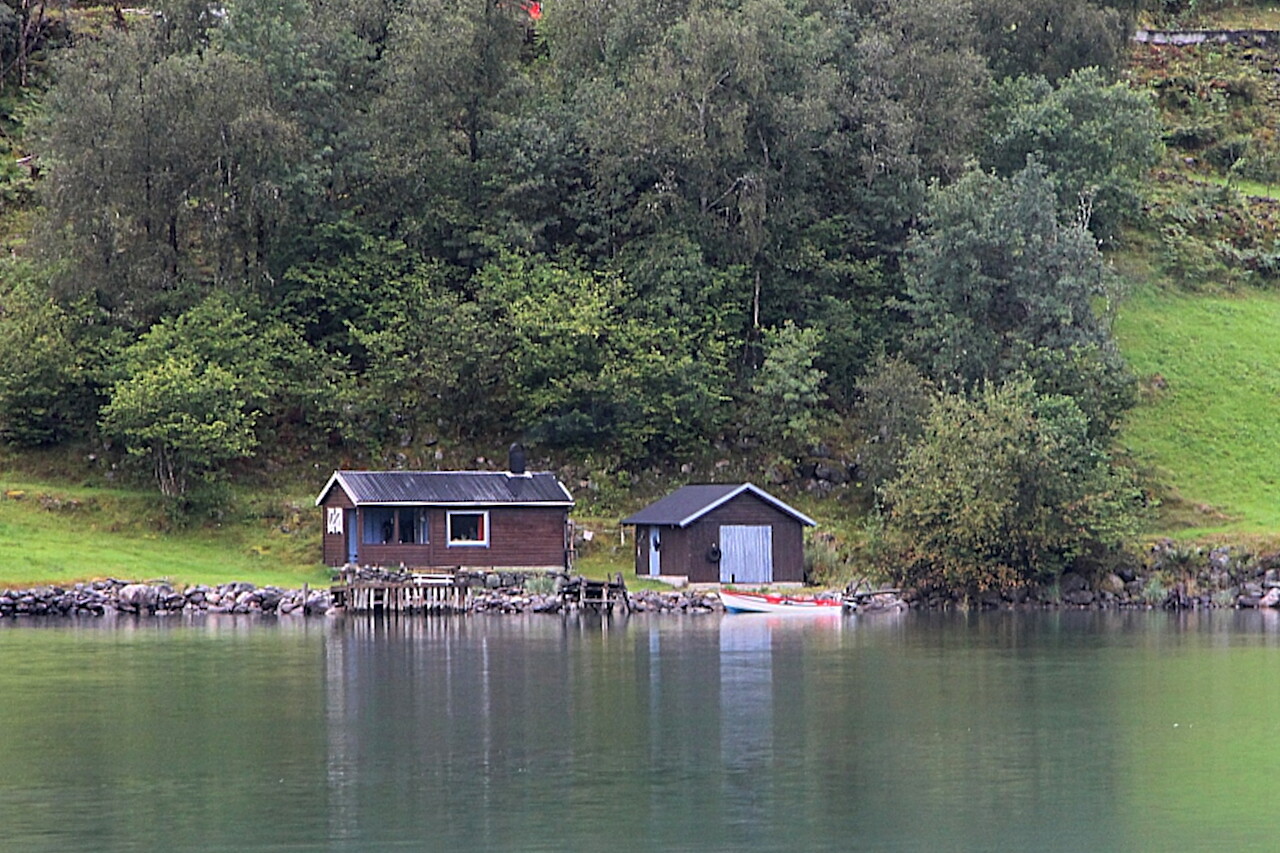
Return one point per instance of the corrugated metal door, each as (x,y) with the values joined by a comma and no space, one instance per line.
(746,553)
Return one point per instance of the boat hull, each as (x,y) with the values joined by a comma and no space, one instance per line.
(751,602)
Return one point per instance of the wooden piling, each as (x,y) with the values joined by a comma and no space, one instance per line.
(418,593)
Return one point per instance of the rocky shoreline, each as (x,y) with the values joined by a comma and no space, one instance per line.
(644,601)
(100,597)
(115,596)
(1172,577)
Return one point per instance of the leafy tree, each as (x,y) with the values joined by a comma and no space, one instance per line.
(188,397)
(1097,139)
(1003,489)
(919,84)
(353,285)
(319,69)
(430,366)
(167,173)
(1050,38)
(577,370)
(711,134)
(585,37)
(437,217)
(786,396)
(450,78)
(995,277)
(27,31)
(892,402)
(676,285)
(49,388)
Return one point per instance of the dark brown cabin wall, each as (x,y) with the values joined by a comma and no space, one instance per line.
(392,556)
(702,535)
(335,546)
(675,551)
(788,552)
(518,536)
(676,545)
(333,549)
(337,497)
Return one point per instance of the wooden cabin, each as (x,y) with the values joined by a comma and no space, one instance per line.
(446,519)
(721,534)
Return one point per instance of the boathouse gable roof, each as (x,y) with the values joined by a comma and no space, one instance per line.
(687,504)
(448,488)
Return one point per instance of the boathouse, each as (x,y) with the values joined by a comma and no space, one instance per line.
(734,533)
(447,519)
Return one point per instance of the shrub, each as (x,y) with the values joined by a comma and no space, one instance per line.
(1004,488)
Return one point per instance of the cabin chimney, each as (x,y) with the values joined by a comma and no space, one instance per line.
(515,457)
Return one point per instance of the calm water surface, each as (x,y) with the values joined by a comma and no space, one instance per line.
(1065,731)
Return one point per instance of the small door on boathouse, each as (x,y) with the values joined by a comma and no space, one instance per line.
(746,553)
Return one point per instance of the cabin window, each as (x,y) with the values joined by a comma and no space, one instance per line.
(394,525)
(379,526)
(468,528)
(411,526)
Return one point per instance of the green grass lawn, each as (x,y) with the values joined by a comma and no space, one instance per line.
(1252,16)
(1249,188)
(1209,422)
(59,535)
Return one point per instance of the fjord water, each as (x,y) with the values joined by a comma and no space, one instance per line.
(1046,731)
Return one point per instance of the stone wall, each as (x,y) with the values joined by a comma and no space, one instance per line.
(1184,38)
(491,593)
(98,598)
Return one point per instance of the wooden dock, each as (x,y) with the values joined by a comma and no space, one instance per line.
(373,590)
(420,592)
(600,596)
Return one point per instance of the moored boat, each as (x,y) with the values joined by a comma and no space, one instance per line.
(756,602)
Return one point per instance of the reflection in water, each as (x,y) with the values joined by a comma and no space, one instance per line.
(746,715)
(1047,731)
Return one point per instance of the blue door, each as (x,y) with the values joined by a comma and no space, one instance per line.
(353,538)
(655,552)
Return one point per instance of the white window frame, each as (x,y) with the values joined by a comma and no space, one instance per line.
(482,542)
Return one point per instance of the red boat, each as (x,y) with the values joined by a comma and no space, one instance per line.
(755,602)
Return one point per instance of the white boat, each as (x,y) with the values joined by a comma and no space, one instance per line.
(756,602)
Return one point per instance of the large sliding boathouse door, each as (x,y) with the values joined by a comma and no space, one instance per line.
(746,553)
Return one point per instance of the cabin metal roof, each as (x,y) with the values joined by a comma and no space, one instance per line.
(687,504)
(452,488)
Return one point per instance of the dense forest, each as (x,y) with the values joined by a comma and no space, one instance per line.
(625,228)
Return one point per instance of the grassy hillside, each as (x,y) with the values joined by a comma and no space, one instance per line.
(1207,426)
(61,534)
(1206,435)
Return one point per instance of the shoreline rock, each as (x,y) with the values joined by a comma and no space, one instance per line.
(1172,577)
(112,595)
